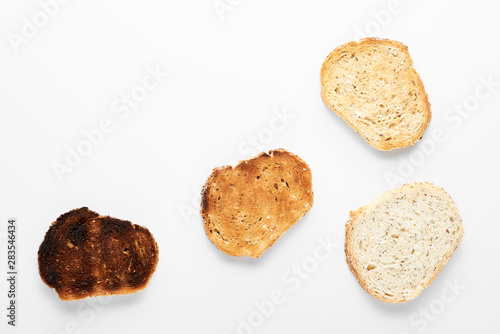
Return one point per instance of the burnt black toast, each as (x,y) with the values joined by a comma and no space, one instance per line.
(85,255)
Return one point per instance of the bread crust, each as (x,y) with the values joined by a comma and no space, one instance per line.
(248,207)
(86,255)
(383,141)
(356,216)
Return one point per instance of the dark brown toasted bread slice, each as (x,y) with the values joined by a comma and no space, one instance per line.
(248,207)
(87,255)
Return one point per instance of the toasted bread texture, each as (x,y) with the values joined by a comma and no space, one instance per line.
(246,208)
(373,86)
(85,255)
(398,244)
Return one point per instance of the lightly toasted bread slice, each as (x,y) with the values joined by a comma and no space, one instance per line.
(373,86)
(398,244)
(85,255)
(246,208)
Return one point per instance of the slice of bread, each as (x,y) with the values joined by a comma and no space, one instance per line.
(248,207)
(373,86)
(398,244)
(85,255)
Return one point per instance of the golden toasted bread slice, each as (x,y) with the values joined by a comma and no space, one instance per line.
(373,86)
(88,255)
(248,207)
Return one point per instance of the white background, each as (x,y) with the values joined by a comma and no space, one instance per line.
(228,74)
